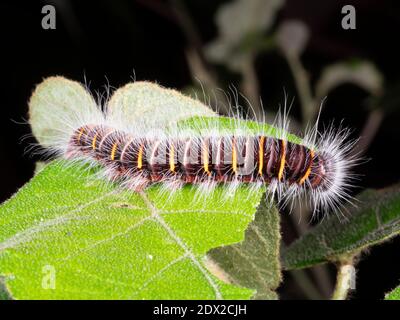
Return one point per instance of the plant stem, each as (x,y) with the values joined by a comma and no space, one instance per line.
(200,68)
(251,87)
(303,87)
(345,280)
(306,284)
(323,278)
(369,131)
(300,220)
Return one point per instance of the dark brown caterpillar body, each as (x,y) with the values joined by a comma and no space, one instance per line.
(193,160)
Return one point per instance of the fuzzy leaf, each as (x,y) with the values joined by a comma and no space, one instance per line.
(152,106)
(56,103)
(254,263)
(69,235)
(394,294)
(376,220)
(105,243)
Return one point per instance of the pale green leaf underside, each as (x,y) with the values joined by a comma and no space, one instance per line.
(254,263)
(394,294)
(376,219)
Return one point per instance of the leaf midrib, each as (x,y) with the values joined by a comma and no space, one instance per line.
(155,213)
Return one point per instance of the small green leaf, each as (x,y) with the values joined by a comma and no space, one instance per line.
(292,37)
(376,219)
(252,19)
(254,263)
(394,294)
(360,73)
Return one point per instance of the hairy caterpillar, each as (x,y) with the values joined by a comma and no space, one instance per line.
(136,148)
(198,159)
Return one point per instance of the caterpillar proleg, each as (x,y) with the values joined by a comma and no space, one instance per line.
(138,141)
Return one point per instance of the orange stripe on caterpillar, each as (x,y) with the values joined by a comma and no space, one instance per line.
(94,141)
(113,151)
(283,159)
(308,171)
(234,156)
(261,155)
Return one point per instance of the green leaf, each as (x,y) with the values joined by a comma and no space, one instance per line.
(153,106)
(394,294)
(226,124)
(252,19)
(364,74)
(254,263)
(68,235)
(376,220)
(106,243)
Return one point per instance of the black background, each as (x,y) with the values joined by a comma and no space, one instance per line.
(107,40)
